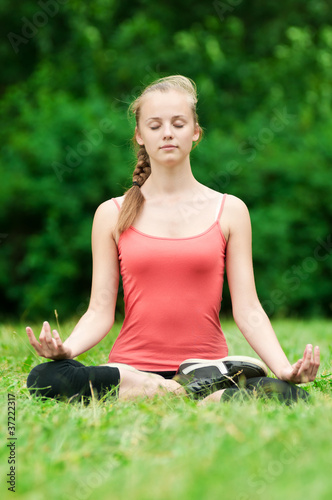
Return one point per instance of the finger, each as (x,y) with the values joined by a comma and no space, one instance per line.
(33,341)
(296,367)
(315,363)
(57,338)
(308,351)
(317,356)
(31,336)
(29,331)
(43,331)
(312,369)
(47,335)
(305,350)
(307,358)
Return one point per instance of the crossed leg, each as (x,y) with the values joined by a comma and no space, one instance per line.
(133,385)
(71,379)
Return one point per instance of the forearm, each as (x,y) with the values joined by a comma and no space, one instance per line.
(88,332)
(257,329)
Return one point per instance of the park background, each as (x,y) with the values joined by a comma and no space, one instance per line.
(69,71)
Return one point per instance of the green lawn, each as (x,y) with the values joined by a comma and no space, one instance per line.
(168,448)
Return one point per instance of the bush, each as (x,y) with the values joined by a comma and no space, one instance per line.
(263,73)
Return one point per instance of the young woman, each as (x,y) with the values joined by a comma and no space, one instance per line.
(172,237)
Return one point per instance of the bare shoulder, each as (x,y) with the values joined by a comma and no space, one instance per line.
(235,206)
(107,213)
(235,216)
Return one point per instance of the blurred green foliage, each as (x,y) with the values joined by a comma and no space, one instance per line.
(70,70)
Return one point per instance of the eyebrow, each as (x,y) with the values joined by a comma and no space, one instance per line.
(158,118)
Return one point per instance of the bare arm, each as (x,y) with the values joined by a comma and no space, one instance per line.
(248,313)
(99,318)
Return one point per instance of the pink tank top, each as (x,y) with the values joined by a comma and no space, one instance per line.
(172,294)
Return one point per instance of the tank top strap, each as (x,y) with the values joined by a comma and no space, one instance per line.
(220,206)
(116,203)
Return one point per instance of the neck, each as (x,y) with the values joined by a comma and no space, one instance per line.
(168,181)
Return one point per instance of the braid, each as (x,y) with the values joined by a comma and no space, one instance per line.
(133,202)
(143,168)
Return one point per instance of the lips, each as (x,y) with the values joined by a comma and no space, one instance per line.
(168,146)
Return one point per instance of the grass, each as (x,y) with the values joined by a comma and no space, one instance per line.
(168,448)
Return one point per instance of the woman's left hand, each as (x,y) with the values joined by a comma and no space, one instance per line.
(305,369)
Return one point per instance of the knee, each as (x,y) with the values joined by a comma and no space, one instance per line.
(36,381)
(35,377)
(291,393)
(40,380)
(47,379)
(283,391)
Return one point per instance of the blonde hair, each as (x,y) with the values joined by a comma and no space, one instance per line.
(134,200)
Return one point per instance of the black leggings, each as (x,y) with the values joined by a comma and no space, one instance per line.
(69,378)
(266,387)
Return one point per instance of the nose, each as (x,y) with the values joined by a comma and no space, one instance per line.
(168,134)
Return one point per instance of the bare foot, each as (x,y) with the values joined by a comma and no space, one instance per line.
(135,384)
(215,397)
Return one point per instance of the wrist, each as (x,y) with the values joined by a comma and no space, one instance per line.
(284,372)
(67,352)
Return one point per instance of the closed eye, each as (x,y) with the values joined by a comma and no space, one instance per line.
(179,125)
(158,126)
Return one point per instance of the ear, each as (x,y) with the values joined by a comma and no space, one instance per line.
(138,137)
(196,133)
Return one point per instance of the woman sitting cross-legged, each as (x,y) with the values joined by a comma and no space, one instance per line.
(171,237)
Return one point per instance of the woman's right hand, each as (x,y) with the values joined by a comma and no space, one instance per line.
(49,347)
